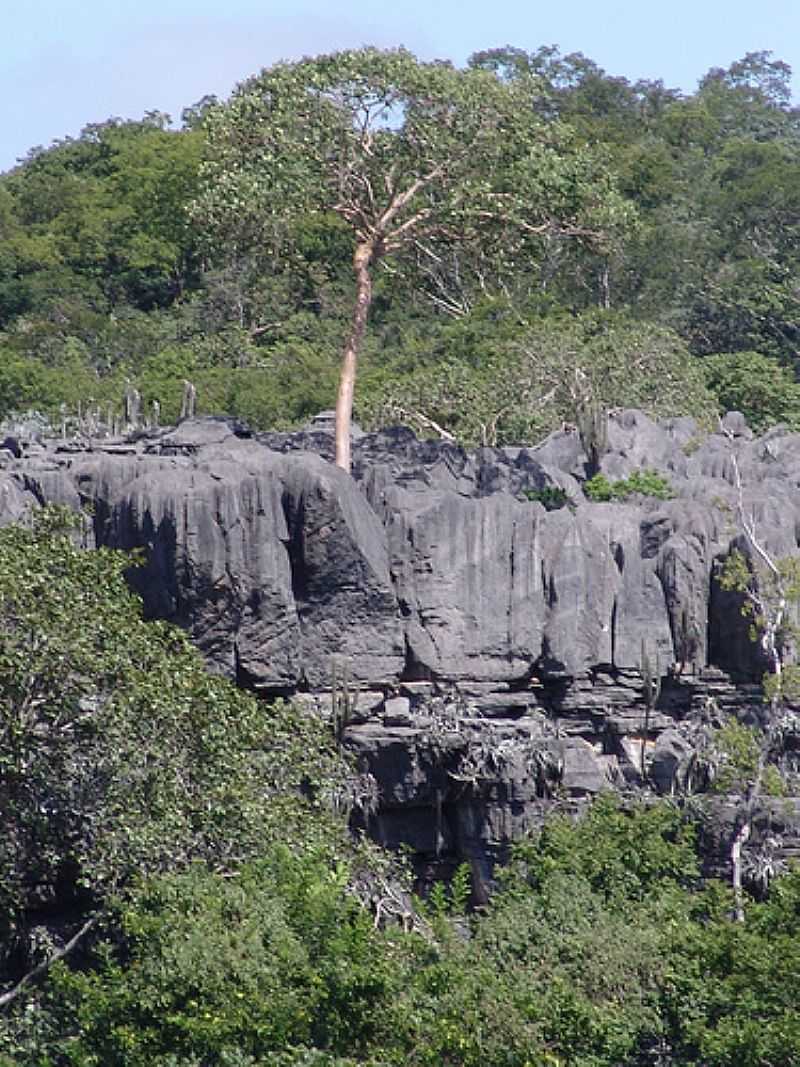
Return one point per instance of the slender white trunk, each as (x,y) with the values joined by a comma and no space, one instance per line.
(362,261)
(740,838)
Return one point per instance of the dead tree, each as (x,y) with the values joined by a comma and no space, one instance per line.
(189,402)
(769,587)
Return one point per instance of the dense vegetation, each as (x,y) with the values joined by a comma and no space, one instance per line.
(179,887)
(602,238)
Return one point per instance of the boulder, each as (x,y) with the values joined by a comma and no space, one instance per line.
(669,760)
(585,772)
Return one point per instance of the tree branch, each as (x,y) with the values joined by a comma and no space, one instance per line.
(395,241)
(423,420)
(401,199)
(45,965)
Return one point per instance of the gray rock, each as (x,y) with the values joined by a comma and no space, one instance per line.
(669,758)
(15,503)
(397,712)
(585,771)
(469,589)
(430,569)
(417,690)
(13,446)
(735,423)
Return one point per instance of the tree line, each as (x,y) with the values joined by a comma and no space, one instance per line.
(488,244)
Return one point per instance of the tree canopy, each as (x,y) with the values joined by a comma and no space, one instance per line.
(420,160)
(120,756)
(542,188)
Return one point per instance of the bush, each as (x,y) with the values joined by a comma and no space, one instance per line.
(520,388)
(276,956)
(119,753)
(642,482)
(551,497)
(765,392)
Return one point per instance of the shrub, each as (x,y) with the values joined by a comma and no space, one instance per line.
(277,955)
(642,482)
(520,384)
(119,753)
(765,392)
(551,497)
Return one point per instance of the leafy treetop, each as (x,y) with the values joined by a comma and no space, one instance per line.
(414,157)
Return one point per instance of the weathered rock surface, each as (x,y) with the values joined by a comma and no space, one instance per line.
(430,580)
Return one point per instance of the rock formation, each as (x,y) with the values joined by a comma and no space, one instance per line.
(494,649)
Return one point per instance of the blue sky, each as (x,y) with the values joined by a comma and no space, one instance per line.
(66,63)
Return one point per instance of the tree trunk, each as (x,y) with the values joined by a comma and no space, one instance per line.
(740,838)
(362,262)
(605,288)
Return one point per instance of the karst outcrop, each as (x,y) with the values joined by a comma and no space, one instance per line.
(492,652)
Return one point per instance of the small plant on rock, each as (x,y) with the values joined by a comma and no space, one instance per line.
(551,497)
(643,482)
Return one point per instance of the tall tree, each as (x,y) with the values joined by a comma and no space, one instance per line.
(416,158)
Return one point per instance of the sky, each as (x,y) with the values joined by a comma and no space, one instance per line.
(67,63)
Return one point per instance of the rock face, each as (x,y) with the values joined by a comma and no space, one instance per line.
(496,647)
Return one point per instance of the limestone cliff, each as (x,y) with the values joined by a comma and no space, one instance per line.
(494,649)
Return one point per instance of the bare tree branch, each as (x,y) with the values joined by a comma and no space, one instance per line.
(42,968)
(401,199)
(423,420)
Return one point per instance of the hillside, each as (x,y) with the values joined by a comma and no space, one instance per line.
(484,750)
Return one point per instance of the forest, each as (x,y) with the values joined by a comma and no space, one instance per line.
(494,248)
(587,235)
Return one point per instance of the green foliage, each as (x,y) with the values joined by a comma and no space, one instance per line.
(621,853)
(551,497)
(765,392)
(276,956)
(460,889)
(101,217)
(449,899)
(462,149)
(119,754)
(739,749)
(269,389)
(642,482)
(527,387)
(768,593)
(571,961)
(746,1015)
(736,575)
(425,164)
(602,180)
(600,948)
(601,490)
(27,383)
